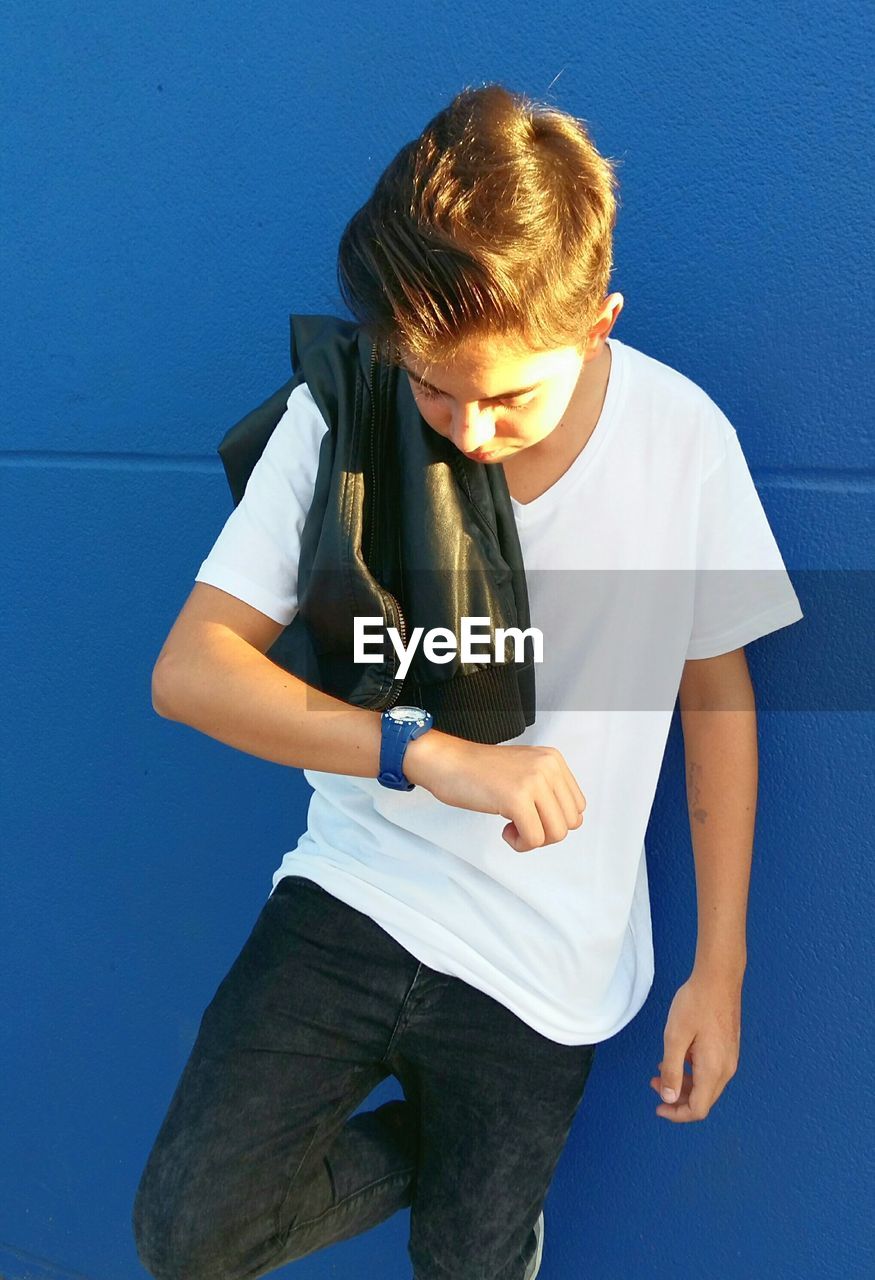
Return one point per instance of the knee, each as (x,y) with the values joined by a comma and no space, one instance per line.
(152,1238)
(188,1235)
(166,1244)
(168,1256)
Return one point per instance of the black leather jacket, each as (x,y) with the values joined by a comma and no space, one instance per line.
(402,527)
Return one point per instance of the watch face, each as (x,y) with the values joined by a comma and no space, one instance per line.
(406,713)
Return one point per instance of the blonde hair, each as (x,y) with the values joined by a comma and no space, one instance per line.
(495,223)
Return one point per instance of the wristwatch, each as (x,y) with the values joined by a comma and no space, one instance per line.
(400,725)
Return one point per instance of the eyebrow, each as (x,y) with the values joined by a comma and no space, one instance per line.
(508,395)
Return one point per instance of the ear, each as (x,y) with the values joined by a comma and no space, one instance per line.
(594,340)
(610,312)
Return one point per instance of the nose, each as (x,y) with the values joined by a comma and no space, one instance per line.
(472,428)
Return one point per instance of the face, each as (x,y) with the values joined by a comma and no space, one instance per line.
(491,403)
(494,401)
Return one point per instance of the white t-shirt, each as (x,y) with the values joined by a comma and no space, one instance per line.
(652,548)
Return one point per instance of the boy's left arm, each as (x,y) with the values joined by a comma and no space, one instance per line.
(718,716)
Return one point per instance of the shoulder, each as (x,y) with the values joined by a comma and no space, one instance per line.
(649,376)
(676,406)
(289,461)
(302,417)
(296,439)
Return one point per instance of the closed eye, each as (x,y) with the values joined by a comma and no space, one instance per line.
(428,393)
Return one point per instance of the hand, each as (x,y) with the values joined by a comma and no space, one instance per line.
(532,786)
(704,1029)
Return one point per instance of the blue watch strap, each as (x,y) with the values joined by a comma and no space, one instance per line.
(396,737)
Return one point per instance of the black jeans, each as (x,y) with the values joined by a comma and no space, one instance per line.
(259,1160)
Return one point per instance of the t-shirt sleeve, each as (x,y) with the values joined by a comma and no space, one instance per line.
(742,589)
(255,556)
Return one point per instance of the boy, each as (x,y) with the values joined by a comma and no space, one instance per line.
(409,932)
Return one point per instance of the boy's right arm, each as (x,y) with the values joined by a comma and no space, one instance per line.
(213,674)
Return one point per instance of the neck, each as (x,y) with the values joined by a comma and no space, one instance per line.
(584,409)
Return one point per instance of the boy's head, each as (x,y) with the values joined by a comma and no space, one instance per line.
(481,264)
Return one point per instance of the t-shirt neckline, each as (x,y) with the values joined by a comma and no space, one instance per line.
(584,460)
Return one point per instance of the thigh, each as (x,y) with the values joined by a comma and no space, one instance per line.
(496,1102)
(289,1045)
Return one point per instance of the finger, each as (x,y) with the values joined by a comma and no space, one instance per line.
(698,1095)
(572,813)
(578,799)
(677,1111)
(707,1087)
(672,1071)
(657,1082)
(529,832)
(550,811)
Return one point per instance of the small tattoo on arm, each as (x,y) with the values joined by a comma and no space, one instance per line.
(694,773)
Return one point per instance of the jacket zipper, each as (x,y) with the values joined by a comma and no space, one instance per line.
(399,620)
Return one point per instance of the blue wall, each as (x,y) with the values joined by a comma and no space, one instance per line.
(175,182)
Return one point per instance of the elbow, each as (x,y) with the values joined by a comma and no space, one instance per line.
(160,692)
